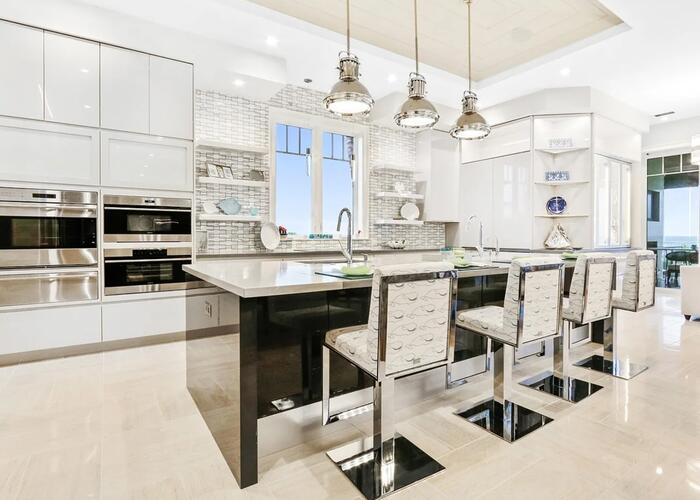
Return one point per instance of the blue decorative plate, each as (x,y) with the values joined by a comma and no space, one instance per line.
(556,205)
(230,206)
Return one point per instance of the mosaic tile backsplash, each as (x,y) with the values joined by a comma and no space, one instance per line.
(227,118)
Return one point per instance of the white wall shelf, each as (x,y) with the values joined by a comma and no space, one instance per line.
(561,216)
(229,146)
(232,182)
(401,196)
(560,151)
(398,222)
(391,166)
(560,183)
(230,218)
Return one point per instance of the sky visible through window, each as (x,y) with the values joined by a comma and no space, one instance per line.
(294,186)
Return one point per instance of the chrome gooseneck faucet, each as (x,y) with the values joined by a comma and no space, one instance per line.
(480,245)
(346,253)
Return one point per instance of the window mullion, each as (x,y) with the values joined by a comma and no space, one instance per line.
(317,179)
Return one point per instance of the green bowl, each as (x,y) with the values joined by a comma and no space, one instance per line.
(361,270)
(569,255)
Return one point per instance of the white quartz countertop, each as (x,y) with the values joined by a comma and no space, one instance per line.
(259,278)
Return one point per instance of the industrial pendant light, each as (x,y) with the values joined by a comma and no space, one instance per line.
(417,111)
(470,125)
(348,97)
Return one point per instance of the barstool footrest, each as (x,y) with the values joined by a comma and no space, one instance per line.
(616,368)
(361,463)
(517,422)
(567,388)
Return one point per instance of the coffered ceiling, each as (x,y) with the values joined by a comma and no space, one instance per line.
(505,33)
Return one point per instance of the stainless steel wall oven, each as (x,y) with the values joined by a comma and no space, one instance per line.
(138,270)
(48,246)
(141,219)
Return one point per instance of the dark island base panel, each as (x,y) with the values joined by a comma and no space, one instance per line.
(274,363)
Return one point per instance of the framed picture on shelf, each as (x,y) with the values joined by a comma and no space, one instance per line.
(228,173)
(220,171)
(212,170)
(257,175)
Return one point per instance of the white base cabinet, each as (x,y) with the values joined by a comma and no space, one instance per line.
(37,329)
(48,152)
(144,318)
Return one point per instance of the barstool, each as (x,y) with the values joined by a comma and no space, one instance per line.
(531,312)
(590,299)
(410,329)
(638,293)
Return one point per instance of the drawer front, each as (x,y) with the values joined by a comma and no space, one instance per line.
(27,289)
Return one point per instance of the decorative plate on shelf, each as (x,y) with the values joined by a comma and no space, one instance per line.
(230,206)
(409,211)
(556,205)
(270,235)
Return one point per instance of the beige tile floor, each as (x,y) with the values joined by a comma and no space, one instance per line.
(121,425)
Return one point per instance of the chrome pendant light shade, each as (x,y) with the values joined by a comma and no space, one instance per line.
(470,125)
(416,111)
(348,97)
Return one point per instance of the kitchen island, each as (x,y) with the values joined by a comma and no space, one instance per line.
(270,361)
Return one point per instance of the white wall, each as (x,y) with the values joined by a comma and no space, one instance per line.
(671,135)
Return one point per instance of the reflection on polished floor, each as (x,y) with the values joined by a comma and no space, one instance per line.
(121,425)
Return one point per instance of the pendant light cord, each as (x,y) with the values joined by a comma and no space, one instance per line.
(415,29)
(469,41)
(347,24)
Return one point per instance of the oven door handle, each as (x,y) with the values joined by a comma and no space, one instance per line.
(148,209)
(45,210)
(128,260)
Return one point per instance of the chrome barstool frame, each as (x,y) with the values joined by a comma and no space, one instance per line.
(610,363)
(499,414)
(557,381)
(387,461)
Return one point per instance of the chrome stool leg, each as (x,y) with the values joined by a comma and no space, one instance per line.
(558,382)
(326,416)
(609,362)
(499,415)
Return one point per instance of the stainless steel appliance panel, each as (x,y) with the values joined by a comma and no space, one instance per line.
(48,257)
(48,288)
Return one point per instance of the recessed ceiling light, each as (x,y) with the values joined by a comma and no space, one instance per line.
(84,70)
(391,78)
(565,71)
(238,82)
(271,41)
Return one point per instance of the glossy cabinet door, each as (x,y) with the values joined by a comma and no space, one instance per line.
(142,161)
(124,90)
(22,63)
(475,198)
(49,152)
(72,80)
(170,98)
(512,208)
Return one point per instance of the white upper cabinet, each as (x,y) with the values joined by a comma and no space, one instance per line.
(170,98)
(72,80)
(143,161)
(124,82)
(475,198)
(437,175)
(22,63)
(505,139)
(512,208)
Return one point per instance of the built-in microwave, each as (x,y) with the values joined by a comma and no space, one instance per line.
(139,270)
(137,219)
(47,228)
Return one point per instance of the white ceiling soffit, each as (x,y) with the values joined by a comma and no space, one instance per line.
(505,33)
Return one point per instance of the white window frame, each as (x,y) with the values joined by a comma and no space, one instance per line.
(318,126)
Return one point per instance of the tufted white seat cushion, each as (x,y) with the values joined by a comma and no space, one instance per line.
(487,320)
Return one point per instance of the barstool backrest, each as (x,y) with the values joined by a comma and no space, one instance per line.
(411,317)
(590,294)
(639,281)
(532,305)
